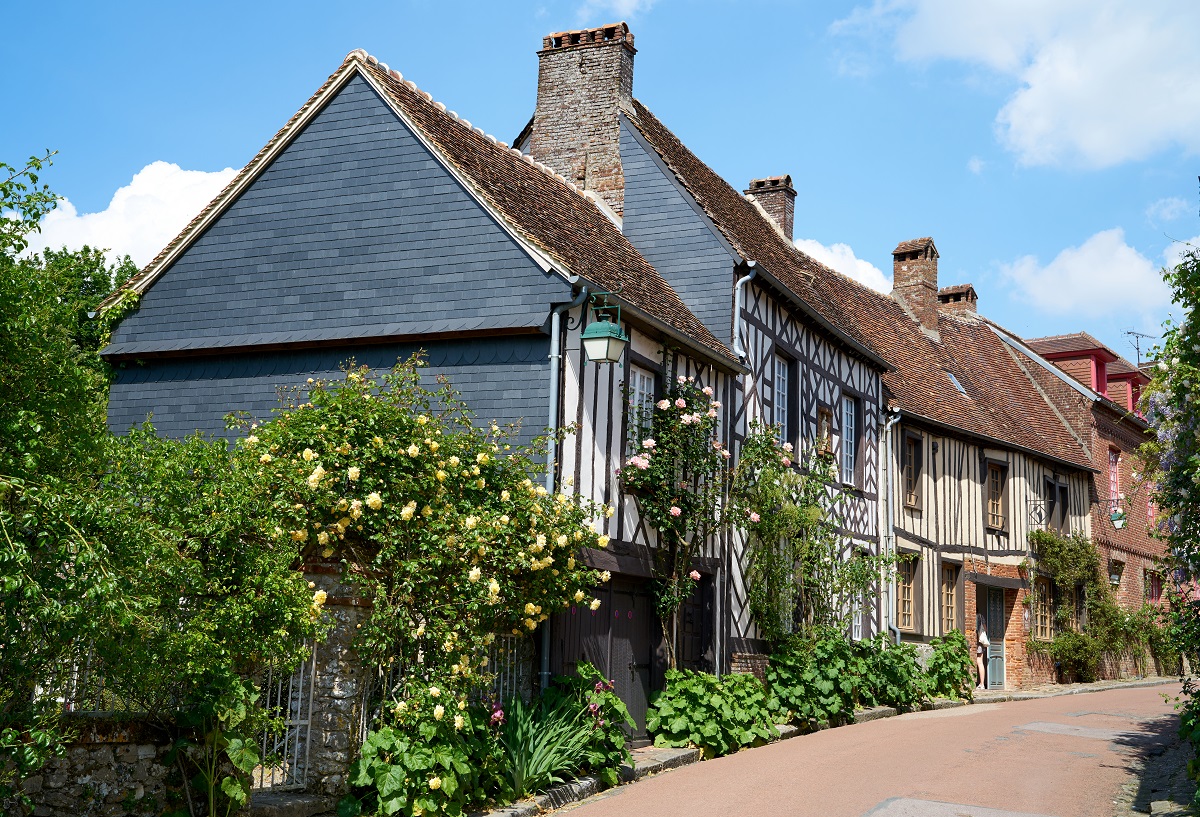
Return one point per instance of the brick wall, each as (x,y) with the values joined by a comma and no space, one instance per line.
(749,663)
(584,79)
(1021,668)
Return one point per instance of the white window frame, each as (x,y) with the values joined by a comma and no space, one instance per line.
(780,398)
(641,383)
(849,438)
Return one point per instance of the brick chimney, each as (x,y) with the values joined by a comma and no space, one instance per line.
(584,78)
(914,279)
(960,298)
(778,198)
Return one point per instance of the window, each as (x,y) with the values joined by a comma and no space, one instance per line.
(949,597)
(997,506)
(1064,510)
(1153,583)
(781,400)
(906,576)
(849,439)
(824,430)
(1069,602)
(1114,477)
(641,407)
(1042,620)
(856,620)
(912,471)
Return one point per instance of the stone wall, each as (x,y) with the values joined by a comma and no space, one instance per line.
(112,768)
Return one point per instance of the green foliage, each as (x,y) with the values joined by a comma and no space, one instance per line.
(820,681)
(22,203)
(950,670)
(718,716)
(679,480)
(436,522)
(543,743)
(894,676)
(799,576)
(434,753)
(607,749)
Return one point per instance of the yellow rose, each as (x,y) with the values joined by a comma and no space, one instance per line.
(474,575)
(530,608)
(319,598)
(435,783)
(605,576)
(434,692)
(531,624)
(459,722)
(441,475)
(438,712)
(352,473)
(504,496)
(413,450)
(494,587)
(374,501)
(322,538)
(595,605)
(579,595)
(308,455)
(602,541)
(422,419)
(265,458)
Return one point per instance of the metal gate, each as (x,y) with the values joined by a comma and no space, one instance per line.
(995,631)
(284,751)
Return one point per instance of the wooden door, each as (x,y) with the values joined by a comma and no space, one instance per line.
(996,626)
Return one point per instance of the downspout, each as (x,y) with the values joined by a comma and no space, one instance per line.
(552,445)
(739,299)
(889,533)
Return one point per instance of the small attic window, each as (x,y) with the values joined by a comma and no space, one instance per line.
(957,385)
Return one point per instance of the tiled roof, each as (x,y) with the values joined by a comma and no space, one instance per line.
(1000,403)
(957,289)
(748,231)
(913,245)
(540,206)
(1064,344)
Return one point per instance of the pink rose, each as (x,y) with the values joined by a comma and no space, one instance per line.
(786,462)
(787,447)
(681,379)
(680,402)
(754,517)
(675,511)
(726,454)
(663,404)
(707,390)
(648,443)
(712,412)
(694,575)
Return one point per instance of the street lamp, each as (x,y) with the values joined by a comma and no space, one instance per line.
(603,339)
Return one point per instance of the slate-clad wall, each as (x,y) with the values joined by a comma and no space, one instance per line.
(667,229)
(355,229)
(503,379)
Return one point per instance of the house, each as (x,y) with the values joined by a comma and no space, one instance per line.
(377,223)
(974,455)
(1103,403)
(731,259)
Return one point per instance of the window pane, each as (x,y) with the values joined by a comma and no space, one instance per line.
(641,406)
(849,437)
(780,400)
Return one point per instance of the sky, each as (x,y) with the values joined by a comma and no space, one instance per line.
(1048,146)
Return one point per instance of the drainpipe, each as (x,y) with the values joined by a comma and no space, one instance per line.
(888,539)
(739,299)
(552,446)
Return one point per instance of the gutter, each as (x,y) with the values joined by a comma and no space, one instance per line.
(888,540)
(739,300)
(552,445)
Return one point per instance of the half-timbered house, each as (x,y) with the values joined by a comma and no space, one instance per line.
(976,453)
(377,223)
(731,258)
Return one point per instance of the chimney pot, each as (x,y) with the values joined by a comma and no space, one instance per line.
(960,298)
(778,198)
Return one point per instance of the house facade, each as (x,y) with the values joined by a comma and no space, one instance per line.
(731,258)
(974,456)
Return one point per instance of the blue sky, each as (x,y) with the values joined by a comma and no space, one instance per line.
(1048,146)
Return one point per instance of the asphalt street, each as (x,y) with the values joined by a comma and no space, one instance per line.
(1052,757)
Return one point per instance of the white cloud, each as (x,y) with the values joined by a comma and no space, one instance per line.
(842,258)
(1103,276)
(1099,82)
(975,165)
(141,218)
(1168,209)
(612,11)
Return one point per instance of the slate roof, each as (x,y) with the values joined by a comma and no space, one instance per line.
(751,234)
(540,206)
(913,245)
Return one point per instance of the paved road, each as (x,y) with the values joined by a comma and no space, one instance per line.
(1062,757)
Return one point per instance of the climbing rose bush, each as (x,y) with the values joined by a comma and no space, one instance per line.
(438,523)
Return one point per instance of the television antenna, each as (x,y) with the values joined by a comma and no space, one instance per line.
(1136,342)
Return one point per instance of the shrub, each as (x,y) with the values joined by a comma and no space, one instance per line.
(607,749)
(543,743)
(716,715)
(950,671)
(819,681)
(434,753)
(1078,654)
(894,677)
